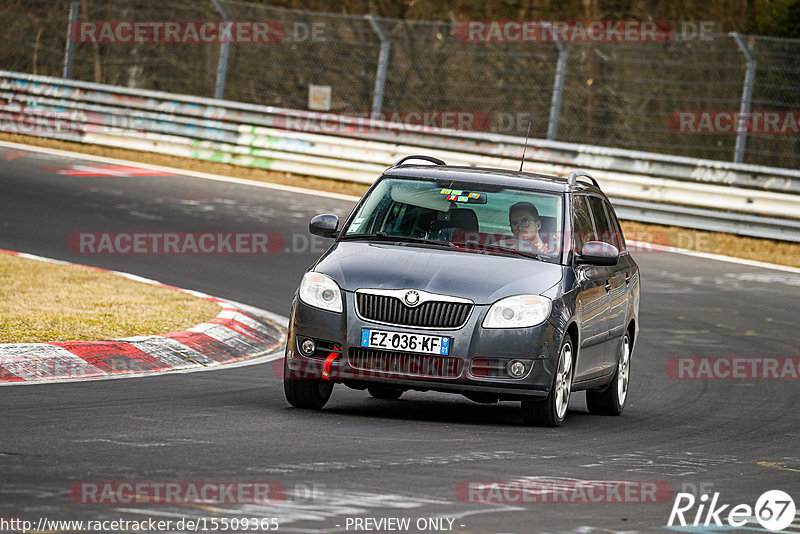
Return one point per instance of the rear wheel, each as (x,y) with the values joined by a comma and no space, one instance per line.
(553,409)
(611,400)
(385,392)
(306,393)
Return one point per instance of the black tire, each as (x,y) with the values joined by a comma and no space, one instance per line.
(611,399)
(306,393)
(553,409)
(385,392)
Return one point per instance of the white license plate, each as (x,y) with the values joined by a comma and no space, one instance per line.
(382,339)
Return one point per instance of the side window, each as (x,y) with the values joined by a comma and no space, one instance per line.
(600,219)
(619,239)
(582,224)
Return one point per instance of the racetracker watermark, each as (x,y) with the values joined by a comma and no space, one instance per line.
(332,365)
(583,31)
(31,121)
(176,32)
(363,122)
(564,491)
(28,120)
(636,242)
(575,31)
(137,492)
(733,368)
(649,241)
(61,367)
(734,122)
(16,118)
(175,243)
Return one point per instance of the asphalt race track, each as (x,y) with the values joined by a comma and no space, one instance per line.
(367,458)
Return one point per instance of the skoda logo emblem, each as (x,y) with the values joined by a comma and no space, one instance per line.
(412,298)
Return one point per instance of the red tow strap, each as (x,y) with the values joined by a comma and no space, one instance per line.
(326,367)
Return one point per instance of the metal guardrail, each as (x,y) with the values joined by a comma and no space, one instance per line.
(742,199)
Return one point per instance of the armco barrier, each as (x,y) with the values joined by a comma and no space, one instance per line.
(714,195)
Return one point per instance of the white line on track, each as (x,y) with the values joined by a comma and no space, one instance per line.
(175,170)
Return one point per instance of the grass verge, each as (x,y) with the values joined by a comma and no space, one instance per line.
(766,250)
(42,302)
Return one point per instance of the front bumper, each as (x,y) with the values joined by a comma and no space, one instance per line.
(464,370)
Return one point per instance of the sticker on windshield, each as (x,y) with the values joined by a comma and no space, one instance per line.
(457,195)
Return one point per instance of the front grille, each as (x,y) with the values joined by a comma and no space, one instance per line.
(431,314)
(402,364)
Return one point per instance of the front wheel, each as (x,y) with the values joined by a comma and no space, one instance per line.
(611,400)
(553,409)
(306,393)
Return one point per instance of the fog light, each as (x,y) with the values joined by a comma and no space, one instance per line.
(515,368)
(307,347)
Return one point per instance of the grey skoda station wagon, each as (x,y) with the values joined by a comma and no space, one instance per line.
(495,284)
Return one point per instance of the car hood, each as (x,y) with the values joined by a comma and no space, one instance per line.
(482,278)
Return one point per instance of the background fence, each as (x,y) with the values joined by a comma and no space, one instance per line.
(729,197)
(612,94)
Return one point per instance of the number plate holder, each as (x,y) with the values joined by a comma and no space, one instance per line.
(404,341)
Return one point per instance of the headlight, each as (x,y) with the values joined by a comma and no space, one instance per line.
(519,311)
(321,291)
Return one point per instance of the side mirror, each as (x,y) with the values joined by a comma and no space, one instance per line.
(324,225)
(598,253)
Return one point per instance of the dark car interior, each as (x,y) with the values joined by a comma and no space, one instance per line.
(457,225)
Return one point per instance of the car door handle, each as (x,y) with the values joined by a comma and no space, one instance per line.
(608,286)
(627,278)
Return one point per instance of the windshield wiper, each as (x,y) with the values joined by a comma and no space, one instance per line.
(383,236)
(512,250)
(377,235)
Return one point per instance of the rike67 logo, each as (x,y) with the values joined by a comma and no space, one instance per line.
(774,510)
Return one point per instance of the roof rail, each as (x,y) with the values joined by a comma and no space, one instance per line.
(430,159)
(572,179)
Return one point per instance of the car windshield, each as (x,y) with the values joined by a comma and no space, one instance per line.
(489,218)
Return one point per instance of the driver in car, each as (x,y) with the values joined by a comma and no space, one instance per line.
(523,218)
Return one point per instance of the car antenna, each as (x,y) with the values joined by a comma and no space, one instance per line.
(525,148)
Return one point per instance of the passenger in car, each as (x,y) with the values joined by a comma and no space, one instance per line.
(525,223)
